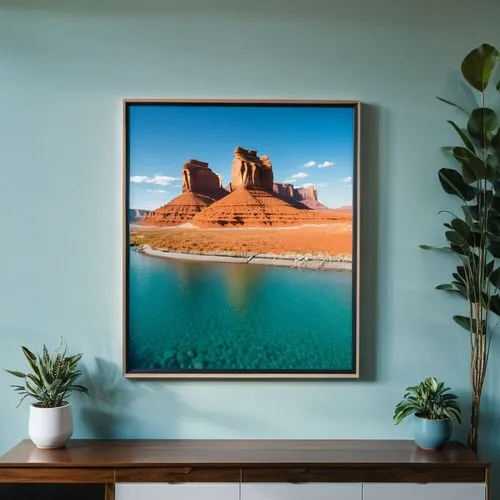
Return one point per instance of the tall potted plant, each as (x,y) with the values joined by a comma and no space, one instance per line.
(473,230)
(51,380)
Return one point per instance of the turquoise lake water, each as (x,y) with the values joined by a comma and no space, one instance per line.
(192,316)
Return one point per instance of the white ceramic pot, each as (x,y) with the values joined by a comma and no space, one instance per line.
(50,427)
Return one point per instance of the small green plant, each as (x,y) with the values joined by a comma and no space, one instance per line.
(429,399)
(52,377)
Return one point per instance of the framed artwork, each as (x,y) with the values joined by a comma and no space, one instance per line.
(241,239)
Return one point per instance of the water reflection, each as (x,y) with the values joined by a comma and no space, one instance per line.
(241,284)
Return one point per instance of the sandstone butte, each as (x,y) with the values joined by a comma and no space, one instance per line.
(306,197)
(252,199)
(200,188)
(257,207)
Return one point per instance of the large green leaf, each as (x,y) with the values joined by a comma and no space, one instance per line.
(495,142)
(452,104)
(467,142)
(462,229)
(466,323)
(478,66)
(453,183)
(454,287)
(494,249)
(483,125)
(495,304)
(473,168)
(456,239)
(495,277)
(438,249)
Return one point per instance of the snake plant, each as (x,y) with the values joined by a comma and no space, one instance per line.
(52,377)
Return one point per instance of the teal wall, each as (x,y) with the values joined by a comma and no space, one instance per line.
(65,66)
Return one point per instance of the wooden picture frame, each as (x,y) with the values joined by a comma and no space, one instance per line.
(241,239)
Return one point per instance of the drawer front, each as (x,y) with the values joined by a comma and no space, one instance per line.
(184,491)
(436,491)
(318,491)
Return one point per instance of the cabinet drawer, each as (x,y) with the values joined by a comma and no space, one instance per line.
(436,491)
(184,491)
(311,491)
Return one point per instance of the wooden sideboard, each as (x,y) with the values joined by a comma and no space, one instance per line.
(254,469)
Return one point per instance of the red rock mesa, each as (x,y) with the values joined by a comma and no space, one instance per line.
(253,202)
(300,197)
(248,169)
(200,188)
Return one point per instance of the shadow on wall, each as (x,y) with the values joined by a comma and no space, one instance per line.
(118,408)
(489,437)
(114,406)
(369,244)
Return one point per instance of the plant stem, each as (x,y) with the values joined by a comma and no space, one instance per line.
(474,425)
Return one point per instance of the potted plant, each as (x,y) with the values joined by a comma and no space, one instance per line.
(49,383)
(473,230)
(434,410)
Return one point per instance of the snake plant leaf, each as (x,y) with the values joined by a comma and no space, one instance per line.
(16,374)
(52,377)
(453,183)
(482,125)
(31,358)
(478,66)
(465,139)
(452,104)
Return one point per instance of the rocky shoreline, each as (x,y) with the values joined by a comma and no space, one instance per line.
(298,261)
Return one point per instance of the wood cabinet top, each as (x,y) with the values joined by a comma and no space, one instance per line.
(238,453)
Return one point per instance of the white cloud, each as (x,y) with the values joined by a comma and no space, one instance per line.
(308,185)
(300,175)
(310,164)
(159,180)
(322,185)
(138,179)
(155,191)
(326,164)
(347,180)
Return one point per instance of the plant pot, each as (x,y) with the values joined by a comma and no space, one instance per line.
(50,427)
(431,434)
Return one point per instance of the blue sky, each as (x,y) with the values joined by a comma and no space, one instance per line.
(306,145)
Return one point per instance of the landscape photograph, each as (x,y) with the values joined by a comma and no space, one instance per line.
(240,239)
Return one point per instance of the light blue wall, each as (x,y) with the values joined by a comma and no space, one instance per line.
(65,66)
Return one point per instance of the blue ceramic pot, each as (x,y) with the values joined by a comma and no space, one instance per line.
(431,434)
